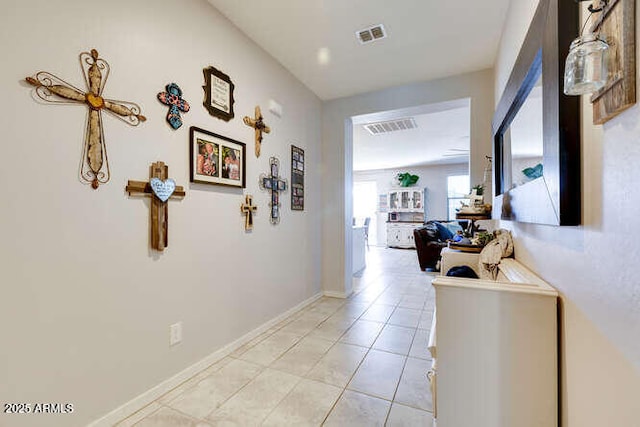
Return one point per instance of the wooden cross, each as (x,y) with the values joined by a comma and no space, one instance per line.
(259,126)
(173,98)
(162,189)
(95,165)
(248,208)
(274,183)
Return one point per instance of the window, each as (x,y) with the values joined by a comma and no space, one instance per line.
(457,190)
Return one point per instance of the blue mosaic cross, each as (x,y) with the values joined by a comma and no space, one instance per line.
(173,98)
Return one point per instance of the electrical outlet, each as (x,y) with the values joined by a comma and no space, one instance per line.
(175,333)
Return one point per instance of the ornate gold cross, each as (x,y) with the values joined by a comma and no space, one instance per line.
(161,189)
(248,208)
(95,164)
(259,126)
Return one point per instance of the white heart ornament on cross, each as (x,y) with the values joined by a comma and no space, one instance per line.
(163,189)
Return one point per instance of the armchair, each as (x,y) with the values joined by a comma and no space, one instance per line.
(429,243)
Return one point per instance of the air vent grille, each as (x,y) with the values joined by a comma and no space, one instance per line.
(391,126)
(371,34)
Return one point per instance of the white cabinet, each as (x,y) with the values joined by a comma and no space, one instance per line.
(400,235)
(495,351)
(406,200)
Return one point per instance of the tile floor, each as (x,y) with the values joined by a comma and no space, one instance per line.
(355,362)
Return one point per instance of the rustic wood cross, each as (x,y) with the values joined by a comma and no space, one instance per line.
(248,208)
(160,188)
(95,165)
(276,184)
(258,124)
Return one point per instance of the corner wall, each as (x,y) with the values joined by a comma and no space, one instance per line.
(86,305)
(594,266)
(337,154)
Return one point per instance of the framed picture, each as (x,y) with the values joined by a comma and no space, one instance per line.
(218,94)
(297,178)
(216,159)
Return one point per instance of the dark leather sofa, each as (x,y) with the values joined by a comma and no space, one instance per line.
(429,242)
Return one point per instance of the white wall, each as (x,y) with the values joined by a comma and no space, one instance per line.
(337,153)
(86,306)
(594,266)
(433,178)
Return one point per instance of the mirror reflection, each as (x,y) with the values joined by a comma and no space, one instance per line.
(526,139)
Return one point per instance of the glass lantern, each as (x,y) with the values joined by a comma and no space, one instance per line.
(586,67)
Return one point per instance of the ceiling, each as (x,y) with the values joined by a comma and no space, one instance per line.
(315,39)
(441,137)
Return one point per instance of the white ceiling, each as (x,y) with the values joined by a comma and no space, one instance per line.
(443,129)
(315,39)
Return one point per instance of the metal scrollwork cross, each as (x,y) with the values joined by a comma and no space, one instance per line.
(94,168)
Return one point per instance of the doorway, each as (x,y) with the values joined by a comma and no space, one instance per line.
(365,195)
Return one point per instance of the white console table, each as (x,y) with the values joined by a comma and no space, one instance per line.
(495,350)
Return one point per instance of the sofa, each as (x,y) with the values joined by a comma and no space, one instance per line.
(430,240)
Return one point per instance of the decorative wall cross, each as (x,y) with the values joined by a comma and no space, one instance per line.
(248,208)
(276,184)
(95,164)
(173,98)
(259,126)
(161,189)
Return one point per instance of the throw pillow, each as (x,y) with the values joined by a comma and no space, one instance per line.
(445,233)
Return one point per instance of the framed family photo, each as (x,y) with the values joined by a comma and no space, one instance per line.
(218,94)
(216,159)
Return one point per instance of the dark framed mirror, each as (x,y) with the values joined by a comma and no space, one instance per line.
(536,128)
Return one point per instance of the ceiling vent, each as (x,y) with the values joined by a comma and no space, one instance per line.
(391,126)
(371,34)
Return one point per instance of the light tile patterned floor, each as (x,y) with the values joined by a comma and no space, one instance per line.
(355,362)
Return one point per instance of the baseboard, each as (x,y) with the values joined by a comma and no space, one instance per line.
(154,393)
(334,294)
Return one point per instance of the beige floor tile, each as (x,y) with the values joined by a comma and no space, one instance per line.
(405,317)
(138,416)
(353,309)
(332,329)
(425,320)
(414,387)
(215,389)
(404,416)
(420,344)
(303,356)
(378,313)
(195,379)
(266,352)
(338,365)
(167,417)
(388,299)
(251,405)
(363,333)
(378,375)
(412,302)
(395,339)
(302,325)
(307,405)
(242,349)
(356,409)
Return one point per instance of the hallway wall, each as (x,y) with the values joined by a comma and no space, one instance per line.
(86,305)
(593,265)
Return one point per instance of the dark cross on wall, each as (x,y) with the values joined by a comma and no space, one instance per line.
(276,185)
